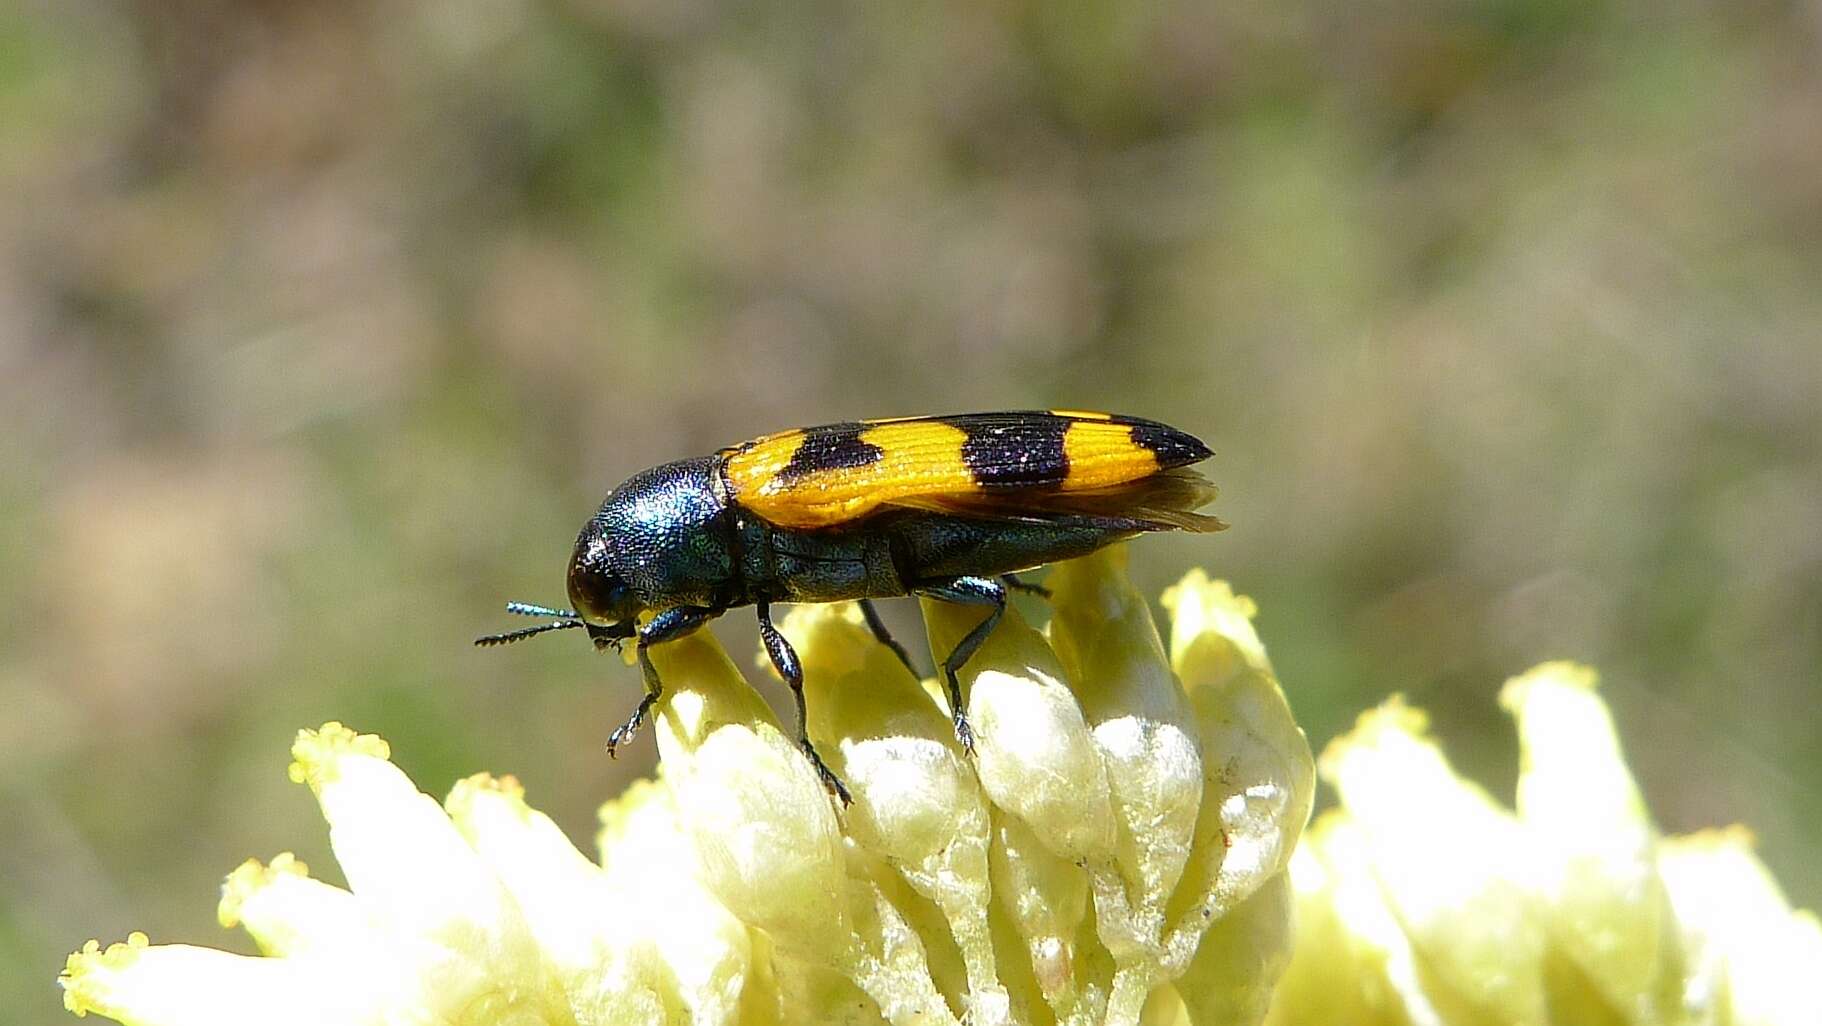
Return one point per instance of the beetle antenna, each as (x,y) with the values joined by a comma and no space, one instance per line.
(528,609)
(525,632)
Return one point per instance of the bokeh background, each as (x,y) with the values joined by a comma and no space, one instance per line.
(323,326)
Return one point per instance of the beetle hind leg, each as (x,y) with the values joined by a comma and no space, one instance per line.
(970,591)
(1014,582)
(884,636)
(784,659)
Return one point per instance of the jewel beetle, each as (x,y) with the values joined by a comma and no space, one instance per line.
(945,507)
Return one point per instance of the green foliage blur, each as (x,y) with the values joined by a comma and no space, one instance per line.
(324,325)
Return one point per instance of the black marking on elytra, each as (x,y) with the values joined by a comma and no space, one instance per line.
(1014,450)
(1172,447)
(830,447)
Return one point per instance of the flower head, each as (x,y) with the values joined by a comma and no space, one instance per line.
(1422,900)
(1114,853)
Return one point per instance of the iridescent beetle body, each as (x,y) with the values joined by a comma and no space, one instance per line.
(946,507)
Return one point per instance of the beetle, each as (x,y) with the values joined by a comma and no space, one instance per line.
(947,507)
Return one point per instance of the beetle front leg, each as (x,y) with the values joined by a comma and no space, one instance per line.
(666,626)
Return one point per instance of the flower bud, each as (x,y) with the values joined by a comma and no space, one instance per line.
(1591,844)
(1449,861)
(289,914)
(917,805)
(1258,774)
(1141,725)
(767,841)
(1754,960)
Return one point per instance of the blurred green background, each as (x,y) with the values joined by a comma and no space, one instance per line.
(323,326)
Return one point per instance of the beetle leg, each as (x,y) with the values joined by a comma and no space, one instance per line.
(784,658)
(1012,581)
(878,627)
(666,626)
(971,591)
(653,688)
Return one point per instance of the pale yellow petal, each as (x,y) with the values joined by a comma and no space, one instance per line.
(1325,977)
(1767,959)
(179,985)
(636,818)
(562,895)
(650,869)
(1206,614)
(609,968)
(813,993)
(1352,962)
(1041,768)
(917,805)
(1141,723)
(1591,846)
(472,957)
(1452,865)
(765,835)
(890,962)
(767,841)
(1242,955)
(1259,777)
(288,913)
(1033,751)
(1045,897)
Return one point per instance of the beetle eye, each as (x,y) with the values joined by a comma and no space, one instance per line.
(599,594)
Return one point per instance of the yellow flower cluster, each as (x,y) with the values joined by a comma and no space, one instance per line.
(1115,853)
(1423,901)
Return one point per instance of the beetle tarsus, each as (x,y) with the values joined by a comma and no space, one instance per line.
(964,733)
(829,779)
(625,732)
(654,689)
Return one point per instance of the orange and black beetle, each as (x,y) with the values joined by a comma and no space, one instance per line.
(946,507)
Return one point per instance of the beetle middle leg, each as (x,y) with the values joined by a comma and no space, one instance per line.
(970,591)
(883,636)
(784,658)
(666,626)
